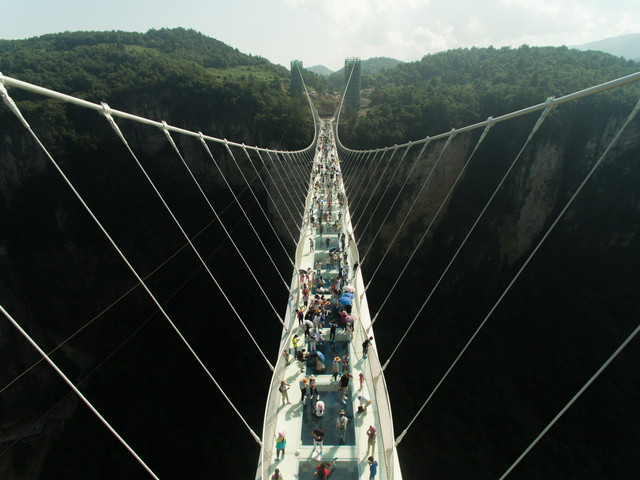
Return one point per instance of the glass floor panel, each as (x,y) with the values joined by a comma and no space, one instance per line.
(343,470)
(330,395)
(330,350)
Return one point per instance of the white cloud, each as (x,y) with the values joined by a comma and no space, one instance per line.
(433,41)
(327,31)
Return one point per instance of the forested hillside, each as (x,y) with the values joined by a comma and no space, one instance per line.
(188,78)
(478,215)
(460,87)
(555,328)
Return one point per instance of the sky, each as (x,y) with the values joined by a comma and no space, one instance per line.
(325,32)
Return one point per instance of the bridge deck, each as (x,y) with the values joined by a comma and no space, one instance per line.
(296,418)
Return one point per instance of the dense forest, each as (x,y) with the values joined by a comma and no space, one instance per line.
(461,87)
(188,78)
(574,303)
(57,271)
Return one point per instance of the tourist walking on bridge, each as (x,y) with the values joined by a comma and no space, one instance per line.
(281,443)
(371,439)
(303,390)
(284,390)
(318,438)
(373,468)
(365,347)
(344,385)
(341,425)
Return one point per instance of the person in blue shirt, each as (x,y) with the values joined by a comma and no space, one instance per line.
(373,468)
(281,443)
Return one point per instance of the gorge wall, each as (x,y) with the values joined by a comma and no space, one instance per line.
(570,309)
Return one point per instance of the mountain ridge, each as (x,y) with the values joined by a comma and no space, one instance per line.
(627,46)
(370,65)
(489,415)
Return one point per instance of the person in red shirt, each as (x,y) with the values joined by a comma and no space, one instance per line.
(324,469)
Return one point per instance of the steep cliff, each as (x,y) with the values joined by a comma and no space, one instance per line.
(564,316)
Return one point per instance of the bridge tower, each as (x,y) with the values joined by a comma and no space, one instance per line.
(296,76)
(352,95)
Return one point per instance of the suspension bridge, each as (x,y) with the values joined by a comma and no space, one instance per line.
(323,191)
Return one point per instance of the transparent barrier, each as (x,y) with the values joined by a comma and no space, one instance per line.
(389,468)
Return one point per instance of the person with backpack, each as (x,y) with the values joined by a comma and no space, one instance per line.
(284,390)
(364,403)
(341,425)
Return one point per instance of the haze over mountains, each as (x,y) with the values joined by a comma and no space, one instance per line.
(627,46)
(570,309)
(371,65)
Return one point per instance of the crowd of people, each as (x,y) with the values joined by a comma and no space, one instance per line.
(325,304)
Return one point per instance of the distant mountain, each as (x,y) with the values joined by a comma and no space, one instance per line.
(374,65)
(627,46)
(320,70)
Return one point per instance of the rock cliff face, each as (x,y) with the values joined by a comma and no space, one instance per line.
(57,271)
(562,318)
(570,309)
(542,180)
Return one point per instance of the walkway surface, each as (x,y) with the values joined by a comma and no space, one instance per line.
(326,256)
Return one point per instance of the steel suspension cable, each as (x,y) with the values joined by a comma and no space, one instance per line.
(419,243)
(572,401)
(293,185)
(360,159)
(301,175)
(388,182)
(269,194)
(300,178)
(399,229)
(384,221)
(347,170)
(284,249)
(233,193)
(362,189)
(550,106)
(364,181)
(275,184)
(515,278)
(14,108)
(543,116)
(204,195)
(77,392)
(112,304)
(286,186)
(629,338)
(125,341)
(120,135)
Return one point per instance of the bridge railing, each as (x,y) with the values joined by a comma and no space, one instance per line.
(273,397)
(380,394)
